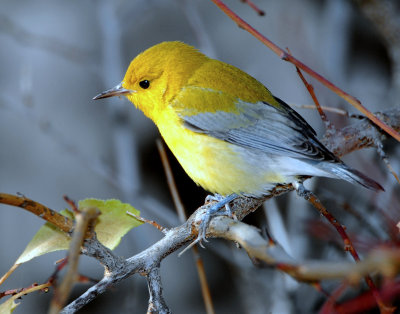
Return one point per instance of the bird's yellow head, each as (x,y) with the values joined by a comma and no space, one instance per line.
(156,75)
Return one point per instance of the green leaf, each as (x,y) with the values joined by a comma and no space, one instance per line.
(8,306)
(48,239)
(112,225)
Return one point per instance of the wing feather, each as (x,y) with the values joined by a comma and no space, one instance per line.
(262,126)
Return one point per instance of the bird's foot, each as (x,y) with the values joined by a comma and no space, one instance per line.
(222,202)
(301,190)
(219,198)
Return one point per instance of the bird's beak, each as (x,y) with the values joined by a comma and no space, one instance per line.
(115,91)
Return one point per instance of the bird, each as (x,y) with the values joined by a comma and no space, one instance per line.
(227,130)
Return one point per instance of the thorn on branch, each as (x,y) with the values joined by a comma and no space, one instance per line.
(148,221)
(71,203)
(254,7)
(60,264)
(284,56)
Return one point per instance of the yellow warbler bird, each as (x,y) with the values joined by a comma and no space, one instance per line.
(227,130)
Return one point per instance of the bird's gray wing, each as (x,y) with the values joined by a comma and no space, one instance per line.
(272,129)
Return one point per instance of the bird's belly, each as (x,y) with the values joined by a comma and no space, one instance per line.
(221,167)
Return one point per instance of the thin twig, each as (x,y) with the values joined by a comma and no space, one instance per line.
(171,181)
(328,306)
(382,154)
(62,222)
(348,245)
(84,217)
(360,218)
(254,7)
(288,57)
(361,134)
(310,89)
(383,261)
(8,273)
(148,221)
(71,203)
(258,248)
(16,291)
(365,303)
(33,288)
(205,289)
(325,108)
(60,264)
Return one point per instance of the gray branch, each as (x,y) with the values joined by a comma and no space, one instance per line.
(259,249)
(156,300)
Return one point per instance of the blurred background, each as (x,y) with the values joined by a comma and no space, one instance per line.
(55,140)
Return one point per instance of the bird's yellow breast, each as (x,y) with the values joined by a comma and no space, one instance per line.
(216,165)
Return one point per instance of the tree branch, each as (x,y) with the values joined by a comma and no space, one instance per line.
(84,222)
(156,300)
(290,58)
(62,222)
(258,249)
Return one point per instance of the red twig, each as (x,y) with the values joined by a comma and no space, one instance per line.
(310,89)
(147,221)
(254,7)
(60,264)
(348,246)
(85,279)
(329,304)
(17,293)
(288,57)
(62,222)
(71,203)
(365,302)
(319,288)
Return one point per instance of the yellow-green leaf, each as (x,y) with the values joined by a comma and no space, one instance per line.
(8,306)
(113,223)
(48,239)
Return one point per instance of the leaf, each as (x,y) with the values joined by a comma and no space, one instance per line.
(113,223)
(8,306)
(48,239)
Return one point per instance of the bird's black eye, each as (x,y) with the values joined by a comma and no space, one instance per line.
(144,84)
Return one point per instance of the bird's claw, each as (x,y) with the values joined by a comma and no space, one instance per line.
(212,211)
(214,198)
(219,198)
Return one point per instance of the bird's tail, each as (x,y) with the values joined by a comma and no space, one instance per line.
(354,176)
